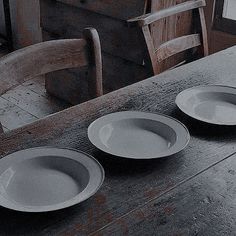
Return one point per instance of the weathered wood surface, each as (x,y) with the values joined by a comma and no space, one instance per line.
(42,58)
(204,205)
(25,16)
(27,103)
(170,28)
(176,45)
(130,184)
(158,15)
(92,74)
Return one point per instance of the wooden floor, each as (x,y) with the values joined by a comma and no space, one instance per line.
(27,103)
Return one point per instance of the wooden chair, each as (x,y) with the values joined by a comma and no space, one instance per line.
(177,45)
(39,59)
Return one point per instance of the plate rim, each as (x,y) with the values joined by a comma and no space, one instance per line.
(62,205)
(188,136)
(199,118)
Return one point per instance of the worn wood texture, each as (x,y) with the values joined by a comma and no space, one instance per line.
(170,28)
(93,73)
(130,185)
(149,18)
(25,16)
(42,58)
(204,205)
(176,45)
(26,103)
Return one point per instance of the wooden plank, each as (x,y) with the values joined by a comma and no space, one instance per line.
(25,17)
(204,205)
(134,184)
(33,103)
(118,9)
(65,21)
(177,45)
(12,116)
(155,16)
(37,85)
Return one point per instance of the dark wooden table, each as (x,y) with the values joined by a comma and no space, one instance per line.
(191,193)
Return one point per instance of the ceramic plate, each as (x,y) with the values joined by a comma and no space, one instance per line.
(213,104)
(47,179)
(138,135)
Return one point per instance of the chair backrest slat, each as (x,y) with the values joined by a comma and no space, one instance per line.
(42,58)
(177,45)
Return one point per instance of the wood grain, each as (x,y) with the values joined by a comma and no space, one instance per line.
(177,45)
(12,116)
(25,16)
(42,58)
(179,8)
(161,31)
(128,185)
(23,64)
(203,205)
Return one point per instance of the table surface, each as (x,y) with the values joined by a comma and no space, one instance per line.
(190,193)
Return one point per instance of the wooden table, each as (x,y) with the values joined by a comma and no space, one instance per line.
(191,193)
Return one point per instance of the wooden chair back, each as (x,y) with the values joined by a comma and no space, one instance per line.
(39,59)
(176,45)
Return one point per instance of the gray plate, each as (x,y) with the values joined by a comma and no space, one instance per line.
(138,135)
(47,179)
(214,104)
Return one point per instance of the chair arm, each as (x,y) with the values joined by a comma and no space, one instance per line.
(152,17)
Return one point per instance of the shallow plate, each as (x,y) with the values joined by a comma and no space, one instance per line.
(214,104)
(47,179)
(138,135)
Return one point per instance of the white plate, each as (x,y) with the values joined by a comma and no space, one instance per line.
(138,135)
(47,179)
(214,104)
